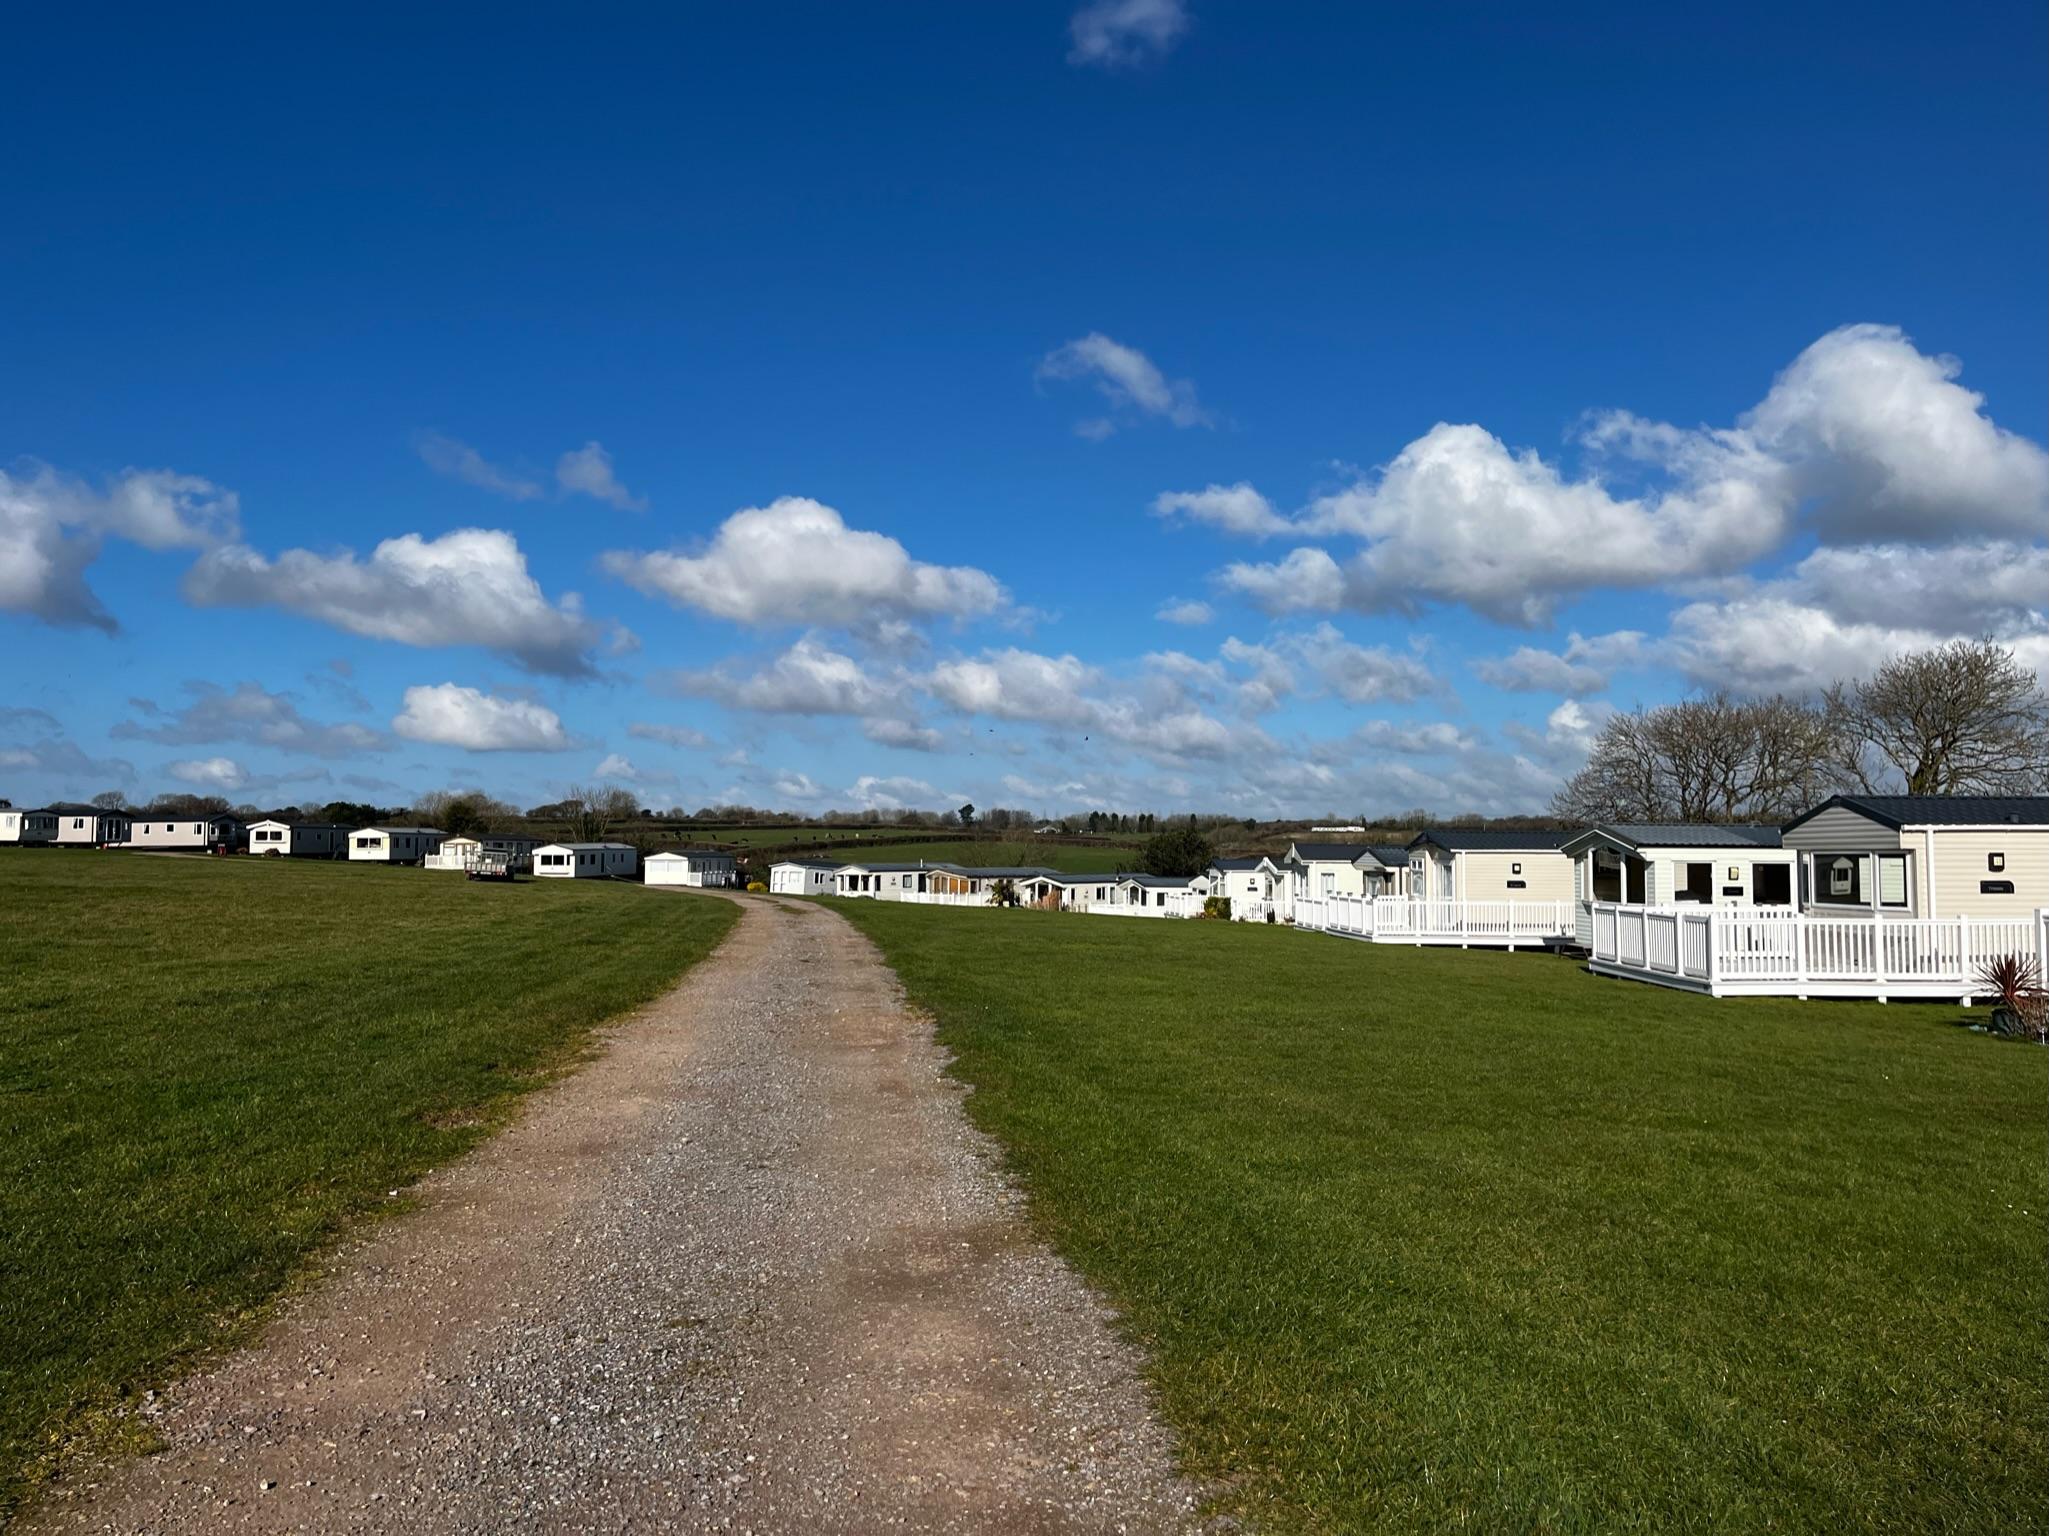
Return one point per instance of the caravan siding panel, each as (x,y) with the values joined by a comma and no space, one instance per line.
(1546,876)
(1839,827)
(1962,865)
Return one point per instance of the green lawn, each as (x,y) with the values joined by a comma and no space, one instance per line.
(1430,1239)
(207,1066)
(1082,858)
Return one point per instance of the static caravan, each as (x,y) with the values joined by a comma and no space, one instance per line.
(1255,886)
(885,882)
(87,826)
(802,877)
(187,832)
(1667,865)
(298,840)
(394,845)
(1162,895)
(1325,869)
(586,861)
(1473,864)
(24,828)
(1934,856)
(693,866)
(1071,890)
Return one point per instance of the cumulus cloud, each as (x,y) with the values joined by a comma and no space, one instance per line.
(221,774)
(796,561)
(587,471)
(1187,611)
(52,527)
(247,712)
(898,793)
(1236,509)
(1841,612)
(792,785)
(1863,435)
(33,746)
(469,587)
(459,461)
(907,735)
(1363,674)
(451,715)
(1129,380)
(809,678)
(1582,667)
(622,769)
(1019,685)
(1111,34)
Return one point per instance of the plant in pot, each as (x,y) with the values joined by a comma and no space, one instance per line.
(2022,1012)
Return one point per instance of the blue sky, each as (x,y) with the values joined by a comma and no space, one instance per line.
(840,396)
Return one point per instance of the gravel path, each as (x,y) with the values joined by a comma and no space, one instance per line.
(750,1270)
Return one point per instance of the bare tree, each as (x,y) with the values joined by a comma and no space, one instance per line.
(1708,759)
(1961,719)
(593,811)
(110,800)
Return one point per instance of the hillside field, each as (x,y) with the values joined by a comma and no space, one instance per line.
(207,1066)
(1425,1239)
(1082,858)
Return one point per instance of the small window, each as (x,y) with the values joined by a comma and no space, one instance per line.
(1515,869)
(1995,862)
(1518,885)
(1995,887)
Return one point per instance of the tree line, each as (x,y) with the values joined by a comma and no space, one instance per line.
(1967,718)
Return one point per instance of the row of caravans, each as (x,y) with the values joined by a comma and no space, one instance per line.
(969,885)
(429,847)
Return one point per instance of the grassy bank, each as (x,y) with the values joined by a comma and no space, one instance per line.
(1431,1239)
(207,1066)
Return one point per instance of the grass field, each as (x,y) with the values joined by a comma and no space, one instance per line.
(1079,857)
(208,1066)
(1424,1239)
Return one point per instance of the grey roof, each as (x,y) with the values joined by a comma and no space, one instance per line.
(804,864)
(1393,855)
(1639,834)
(1159,882)
(1939,810)
(893,869)
(437,832)
(998,872)
(1253,862)
(72,808)
(1329,853)
(1492,840)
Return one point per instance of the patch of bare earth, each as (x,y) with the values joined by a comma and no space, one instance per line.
(749,1270)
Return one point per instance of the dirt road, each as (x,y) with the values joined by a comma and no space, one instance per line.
(750,1270)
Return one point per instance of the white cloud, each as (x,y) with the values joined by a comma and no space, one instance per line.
(796,561)
(1109,34)
(686,737)
(1362,674)
(1894,448)
(1185,611)
(1845,611)
(1236,509)
(588,471)
(1272,679)
(905,734)
(1583,667)
(870,793)
(33,746)
(221,774)
(1306,581)
(792,785)
(448,714)
(247,712)
(1128,379)
(807,679)
(52,526)
(613,766)
(459,461)
(469,587)
(1867,434)
(1020,685)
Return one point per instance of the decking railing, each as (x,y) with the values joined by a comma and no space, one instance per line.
(1421,920)
(1734,950)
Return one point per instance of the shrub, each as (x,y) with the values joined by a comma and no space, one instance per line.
(1217,907)
(2023,1011)
(757,887)
(1003,893)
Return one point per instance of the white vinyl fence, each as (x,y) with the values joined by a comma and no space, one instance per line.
(1773,951)
(1419,920)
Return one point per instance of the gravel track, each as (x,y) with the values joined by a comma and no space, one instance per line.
(749,1270)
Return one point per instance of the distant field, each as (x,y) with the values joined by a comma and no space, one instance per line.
(1424,1239)
(208,1066)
